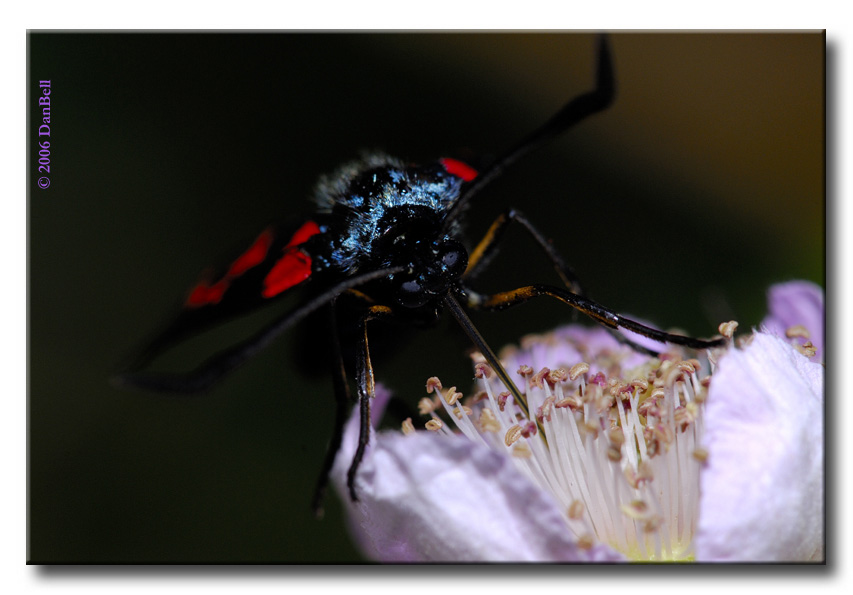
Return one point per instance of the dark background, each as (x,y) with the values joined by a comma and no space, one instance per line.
(681,204)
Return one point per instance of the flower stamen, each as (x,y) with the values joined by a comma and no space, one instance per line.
(615,446)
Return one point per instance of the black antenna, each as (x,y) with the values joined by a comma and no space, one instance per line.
(573,112)
(478,340)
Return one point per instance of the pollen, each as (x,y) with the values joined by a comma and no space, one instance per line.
(700,454)
(807,349)
(797,331)
(512,435)
(727,329)
(576,510)
(434,425)
(488,422)
(578,370)
(451,396)
(461,411)
(482,370)
(433,384)
(637,509)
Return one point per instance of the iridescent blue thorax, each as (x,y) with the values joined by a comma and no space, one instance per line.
(386,212)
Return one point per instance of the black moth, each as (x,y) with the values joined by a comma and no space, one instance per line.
(386,237)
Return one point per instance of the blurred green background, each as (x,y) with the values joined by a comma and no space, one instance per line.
(701,186)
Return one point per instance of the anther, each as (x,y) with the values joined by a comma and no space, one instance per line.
(653,445)
(591,429)
(433,384)
(536,381)
(807,349)
(640,384)
(615,388)
(434,425)
(653,523)
(543,413)
(578,370)
(664,433)
(557,376)
(426,406)
(645,473)
(488,422)
(637,509)
(604,402)
(797,330)
(686,367)
(525,370)
(682,418)
(600,379)
(632,477)
(408,426)
(462,411)
(648,406)
(626,392)
(482,370)
(576,510)
(529,429)
(616,436)
(512,435)
(727,329)
(614,454)
(573,402)
(700,454)
(675,374)
(451,396)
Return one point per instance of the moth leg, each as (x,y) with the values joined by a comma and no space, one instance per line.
(343,399)
(366,391)
(486,249)
(223,363)
(599,313)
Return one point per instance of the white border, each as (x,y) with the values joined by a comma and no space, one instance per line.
(366,14)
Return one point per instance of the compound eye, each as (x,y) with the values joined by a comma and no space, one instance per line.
(411,294)
(454,258)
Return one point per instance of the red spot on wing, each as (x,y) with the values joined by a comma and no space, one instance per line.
(458,169)
(204,293)
(308,229)
(252,257)
(294,267)
(291,269)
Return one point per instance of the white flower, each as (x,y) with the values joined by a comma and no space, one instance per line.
(762,490)
(621,457)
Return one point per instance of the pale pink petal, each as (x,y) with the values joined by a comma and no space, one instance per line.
(797,303)
(762,490)
(569,345)
(430,497)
